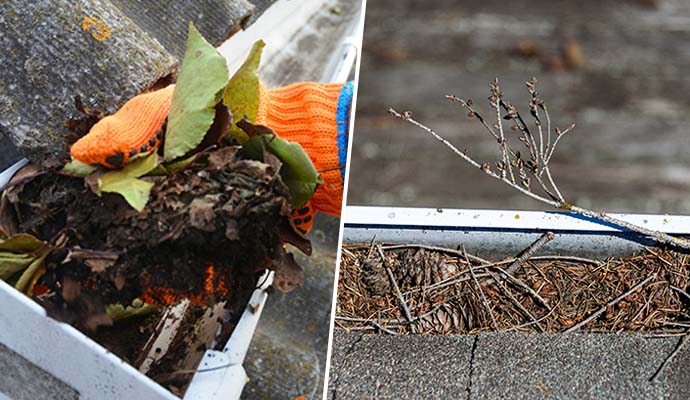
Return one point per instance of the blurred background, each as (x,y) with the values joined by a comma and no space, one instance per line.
(619,69)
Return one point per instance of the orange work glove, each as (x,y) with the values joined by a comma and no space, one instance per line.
(315,115)
(137,127)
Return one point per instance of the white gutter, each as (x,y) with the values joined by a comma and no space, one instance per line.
(6,175)
(499,233)
(68,355)
(220,375)
(342,67)
(265,28)
(506,219)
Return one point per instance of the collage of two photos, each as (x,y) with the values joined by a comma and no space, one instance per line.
(172,179)
(517,203)
(344,199)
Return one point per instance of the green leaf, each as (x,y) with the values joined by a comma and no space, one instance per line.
(118,312)
(126,183)
(78,169)
(298,172)
(21,243)
(35,268)
(11,263)
(200,85)
(18,253)
(242,93)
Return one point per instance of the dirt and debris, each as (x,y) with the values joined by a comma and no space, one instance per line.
(546,294)
(207,233)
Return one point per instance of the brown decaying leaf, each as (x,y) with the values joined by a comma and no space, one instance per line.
(8,225)
(290,234)
(98,264)
(23,175)
(71,289)
(254,130)
(201,213)
(288,274)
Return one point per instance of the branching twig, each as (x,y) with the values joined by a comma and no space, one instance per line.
(525,287)
(383,328)
(528,252)
(517,303)
(540,149)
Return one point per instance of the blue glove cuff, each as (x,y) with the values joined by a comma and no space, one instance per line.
(342,119)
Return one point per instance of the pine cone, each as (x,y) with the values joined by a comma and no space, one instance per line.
(423,268)
(374,277)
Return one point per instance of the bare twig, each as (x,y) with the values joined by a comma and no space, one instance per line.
(481,291)
(525,287)
(384,329)
(530,250)
(609,304)
(395,285)
(435,248)
(680,291)
(524,188)
(485,263)
(81,254)
(536,321)
(517,303)
(527,253)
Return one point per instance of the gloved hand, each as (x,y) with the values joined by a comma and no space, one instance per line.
(315,115)
(135,128)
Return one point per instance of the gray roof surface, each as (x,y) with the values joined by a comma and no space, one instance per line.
(507,366)
(103,51)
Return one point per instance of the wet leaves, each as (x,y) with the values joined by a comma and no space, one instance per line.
(297,172)
(22,253)
(242,94)
(215,207)
(200,85)
(126,182)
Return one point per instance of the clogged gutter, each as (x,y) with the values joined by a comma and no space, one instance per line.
(445,293)
(203,222)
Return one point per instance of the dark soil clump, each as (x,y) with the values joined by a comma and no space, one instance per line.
(206,234)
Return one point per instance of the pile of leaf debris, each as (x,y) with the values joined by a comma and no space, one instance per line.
(199,220)
(422,289)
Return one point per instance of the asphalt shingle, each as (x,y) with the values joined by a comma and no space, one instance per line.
(577,366)
(507,366)
(399,367)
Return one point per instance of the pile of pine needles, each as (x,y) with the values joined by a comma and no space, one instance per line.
(423,289)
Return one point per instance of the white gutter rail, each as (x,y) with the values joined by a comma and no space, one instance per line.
(220,375)
(76,362)
(504,232)
(6,175)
